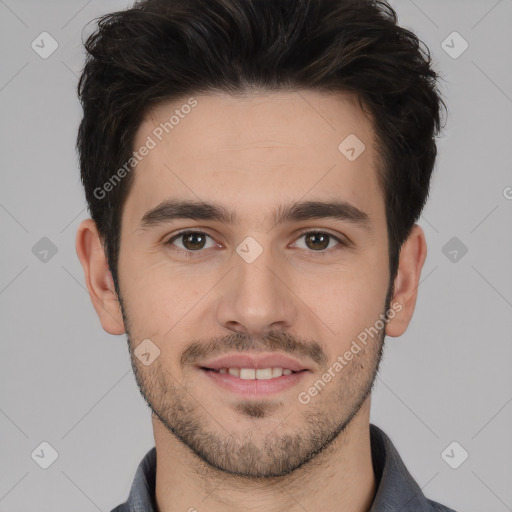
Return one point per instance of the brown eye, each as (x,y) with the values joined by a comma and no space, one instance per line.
(191,241)
(318,241)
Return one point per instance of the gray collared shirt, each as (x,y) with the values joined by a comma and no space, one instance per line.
(396,489)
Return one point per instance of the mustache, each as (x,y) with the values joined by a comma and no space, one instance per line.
(273,341)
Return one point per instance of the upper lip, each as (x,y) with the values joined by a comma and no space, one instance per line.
(258,361)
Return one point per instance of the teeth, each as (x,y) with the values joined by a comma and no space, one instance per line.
(260,374)
(277,372)
(247,373)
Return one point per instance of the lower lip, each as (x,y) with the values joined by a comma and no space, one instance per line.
(255,388)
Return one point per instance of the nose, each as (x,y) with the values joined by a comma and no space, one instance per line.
(256,297)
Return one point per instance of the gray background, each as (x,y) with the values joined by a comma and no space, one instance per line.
(64,381)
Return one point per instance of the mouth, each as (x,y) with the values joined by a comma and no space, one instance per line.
(252,383)
(254,373)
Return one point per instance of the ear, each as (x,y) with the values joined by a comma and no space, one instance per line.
(412,257)
(98,277)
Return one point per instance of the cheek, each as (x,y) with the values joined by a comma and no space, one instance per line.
(348,301)
(157,297)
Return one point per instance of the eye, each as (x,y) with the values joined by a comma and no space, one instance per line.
(192,241)
(195,241)
(319,241)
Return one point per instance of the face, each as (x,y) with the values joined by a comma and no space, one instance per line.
(263,279)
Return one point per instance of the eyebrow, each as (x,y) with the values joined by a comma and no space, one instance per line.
(172,209)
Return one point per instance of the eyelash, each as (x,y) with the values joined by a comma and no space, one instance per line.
(191,254)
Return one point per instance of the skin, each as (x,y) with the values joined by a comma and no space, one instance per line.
(216,450)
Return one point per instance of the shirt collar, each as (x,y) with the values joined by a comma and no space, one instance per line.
(396,489)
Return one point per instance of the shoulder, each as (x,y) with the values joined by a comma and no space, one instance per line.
(435,507)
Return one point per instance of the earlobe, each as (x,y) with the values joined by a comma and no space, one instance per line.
(412,257)
(98,277)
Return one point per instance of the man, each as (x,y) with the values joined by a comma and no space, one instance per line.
(254,171)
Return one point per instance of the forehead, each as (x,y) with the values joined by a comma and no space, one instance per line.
(251,152)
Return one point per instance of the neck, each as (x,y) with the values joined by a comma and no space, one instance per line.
(340,478)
